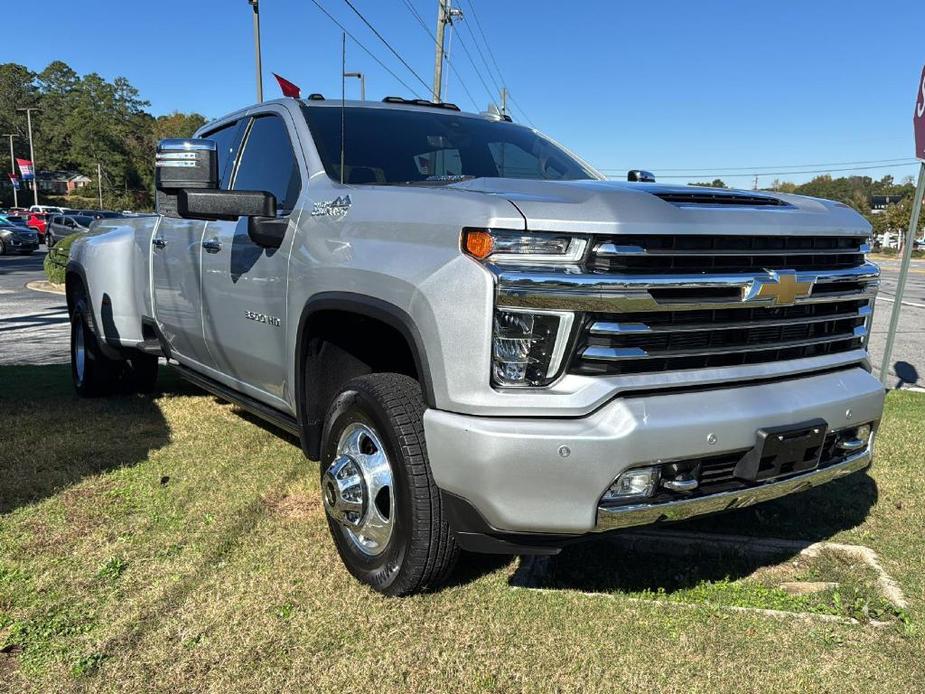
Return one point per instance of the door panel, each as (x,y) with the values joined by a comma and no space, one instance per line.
(244,306)
(175,268)
(245,285)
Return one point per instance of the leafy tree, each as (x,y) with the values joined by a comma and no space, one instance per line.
(85,121)
(177,124)
(715,183)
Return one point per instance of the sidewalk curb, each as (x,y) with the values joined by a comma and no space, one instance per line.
(46,287)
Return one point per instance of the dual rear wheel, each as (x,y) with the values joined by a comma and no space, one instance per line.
(94,373)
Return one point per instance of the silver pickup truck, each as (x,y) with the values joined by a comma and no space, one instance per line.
(486,345)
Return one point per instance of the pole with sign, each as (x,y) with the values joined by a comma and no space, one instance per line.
(918,121)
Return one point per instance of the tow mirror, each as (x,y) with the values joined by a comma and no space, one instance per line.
(183,165)
(186,164)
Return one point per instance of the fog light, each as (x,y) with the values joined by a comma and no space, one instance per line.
(863,433)
(638,482)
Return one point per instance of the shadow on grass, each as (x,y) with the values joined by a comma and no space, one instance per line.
(602,565)
(53,439)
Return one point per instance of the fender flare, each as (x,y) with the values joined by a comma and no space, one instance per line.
(364,305)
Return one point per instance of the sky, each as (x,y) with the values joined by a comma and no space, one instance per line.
(688,90)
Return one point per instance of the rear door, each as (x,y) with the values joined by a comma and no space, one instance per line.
(176,265)
(244,284)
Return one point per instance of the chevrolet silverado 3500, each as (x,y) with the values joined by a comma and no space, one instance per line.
(486,345)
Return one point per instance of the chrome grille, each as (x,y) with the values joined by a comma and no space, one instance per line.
(670,340)
(675,253)
(676,302)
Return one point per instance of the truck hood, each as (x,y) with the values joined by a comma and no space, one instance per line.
(614,207)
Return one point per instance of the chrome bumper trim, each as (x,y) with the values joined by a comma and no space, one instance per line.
(611,518)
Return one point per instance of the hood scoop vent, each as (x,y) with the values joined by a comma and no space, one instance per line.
(685,199)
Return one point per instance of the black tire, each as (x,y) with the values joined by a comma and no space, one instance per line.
(92,372)
(420,551)
(2,248)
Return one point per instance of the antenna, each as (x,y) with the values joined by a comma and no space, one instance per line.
(343,91)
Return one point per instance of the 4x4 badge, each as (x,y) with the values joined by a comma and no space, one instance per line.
(783,288)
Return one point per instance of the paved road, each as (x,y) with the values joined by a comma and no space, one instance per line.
(908,367)
(34,328)
(33,325)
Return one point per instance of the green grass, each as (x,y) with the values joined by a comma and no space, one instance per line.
(174,544)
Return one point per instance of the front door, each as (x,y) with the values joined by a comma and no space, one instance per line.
(244,284)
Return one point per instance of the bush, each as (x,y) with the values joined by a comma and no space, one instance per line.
(56,260)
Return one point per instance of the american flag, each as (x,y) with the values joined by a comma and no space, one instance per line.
(25,166)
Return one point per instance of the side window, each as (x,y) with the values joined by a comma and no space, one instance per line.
(227,140)
(268,162)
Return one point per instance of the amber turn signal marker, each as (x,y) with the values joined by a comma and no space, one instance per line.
(479,244)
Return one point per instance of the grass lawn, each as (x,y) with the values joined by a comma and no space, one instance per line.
(175,544)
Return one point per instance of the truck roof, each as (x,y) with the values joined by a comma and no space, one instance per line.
(390,102)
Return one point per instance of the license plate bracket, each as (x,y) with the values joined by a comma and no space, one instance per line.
(784,450)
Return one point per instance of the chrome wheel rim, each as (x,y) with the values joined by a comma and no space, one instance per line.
(359,491)
(80,352)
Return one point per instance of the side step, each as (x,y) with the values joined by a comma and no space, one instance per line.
(284,421)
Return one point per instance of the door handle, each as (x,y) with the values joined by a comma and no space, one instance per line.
(158,242)
(212,245)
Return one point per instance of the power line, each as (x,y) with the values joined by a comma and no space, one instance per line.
(478,73)
(707,174)
(433,38)
(478,48)
(491,54)
(387,44)
(368,52)
(753,169)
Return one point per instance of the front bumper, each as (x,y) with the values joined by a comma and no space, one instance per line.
(519,477)
(23,245)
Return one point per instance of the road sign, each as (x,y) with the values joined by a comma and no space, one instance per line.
(918,118)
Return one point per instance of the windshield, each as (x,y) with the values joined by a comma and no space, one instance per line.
(394,146)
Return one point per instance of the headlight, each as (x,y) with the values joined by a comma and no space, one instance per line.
(524,247)
(528,346)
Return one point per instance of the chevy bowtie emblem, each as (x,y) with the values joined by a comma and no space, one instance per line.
(782,288)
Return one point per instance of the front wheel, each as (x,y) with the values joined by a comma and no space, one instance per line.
(383,508)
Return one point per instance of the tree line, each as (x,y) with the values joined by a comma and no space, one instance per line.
(84,121)
(857,192)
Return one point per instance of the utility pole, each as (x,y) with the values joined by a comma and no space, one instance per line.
(35,171)
(256,5)
(99,182)
(12,169)
(362,78)
(503,101)
(756,182)
(445,15)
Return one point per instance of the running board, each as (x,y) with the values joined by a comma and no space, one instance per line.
(273,416)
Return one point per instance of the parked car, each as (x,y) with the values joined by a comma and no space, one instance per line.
(38,221)
(47,209)
(486,344)
(17,238)
(62,225)
(13,219)
(100,214)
